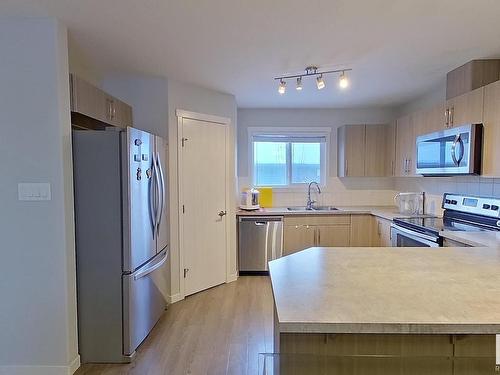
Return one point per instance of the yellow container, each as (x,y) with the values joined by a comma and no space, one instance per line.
(266,196)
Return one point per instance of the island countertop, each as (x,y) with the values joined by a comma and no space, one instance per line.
(388,290)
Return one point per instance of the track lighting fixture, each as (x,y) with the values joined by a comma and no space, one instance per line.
(313,71)
(299,84)
(343,81)
(282,87)
(320,84)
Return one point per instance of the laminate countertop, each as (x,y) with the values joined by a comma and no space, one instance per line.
(388,290)
(386,212)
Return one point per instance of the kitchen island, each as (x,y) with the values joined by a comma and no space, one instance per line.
(441,303)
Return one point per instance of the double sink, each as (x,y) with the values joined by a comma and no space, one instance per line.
(314,208)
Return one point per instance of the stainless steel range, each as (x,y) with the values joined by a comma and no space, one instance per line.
(462,213)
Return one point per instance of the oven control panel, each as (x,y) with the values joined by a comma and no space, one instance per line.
(472,204)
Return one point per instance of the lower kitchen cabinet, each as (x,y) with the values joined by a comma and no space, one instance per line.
(302,232)
(297,237)
(382,235)
(361,233)
(332,235)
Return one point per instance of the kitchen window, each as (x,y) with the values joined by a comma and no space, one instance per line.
(286,159)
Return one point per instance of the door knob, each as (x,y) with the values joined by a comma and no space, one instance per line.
(222,213)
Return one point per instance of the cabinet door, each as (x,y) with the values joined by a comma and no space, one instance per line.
(122,114)
(88,99)
(377,142)
(361,230)
(491,134)
(351,151)
(298,237)
(390,151)
(405,146)
(333,235)
(466,108)
(435,118)
(383,229)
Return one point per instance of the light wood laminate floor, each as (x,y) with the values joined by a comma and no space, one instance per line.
(218,331)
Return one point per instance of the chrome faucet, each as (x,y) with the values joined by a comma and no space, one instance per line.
(310,202)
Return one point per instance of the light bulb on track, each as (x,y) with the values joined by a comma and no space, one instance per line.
(299,84)
(282,87)
(320,84)
(343,81)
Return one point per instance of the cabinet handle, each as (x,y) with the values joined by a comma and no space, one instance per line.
(345,167)
(452,115)
(379,230)
(319,236)
(446,117)
(409,165)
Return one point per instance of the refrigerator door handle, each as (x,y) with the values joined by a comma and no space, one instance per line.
(153,267)
(159,198)
(152,208)
(162,190)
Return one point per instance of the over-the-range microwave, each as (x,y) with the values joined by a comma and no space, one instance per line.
(455,151)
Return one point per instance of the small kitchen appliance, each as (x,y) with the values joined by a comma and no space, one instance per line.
(461,213)
(410,203)
(250,199)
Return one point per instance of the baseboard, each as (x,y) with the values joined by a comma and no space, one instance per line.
(74,365)
(41,370)
(174,298)
(231,278)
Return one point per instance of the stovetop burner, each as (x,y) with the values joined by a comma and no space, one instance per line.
(435,225)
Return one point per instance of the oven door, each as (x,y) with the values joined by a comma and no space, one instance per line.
(402,237)
(450,152)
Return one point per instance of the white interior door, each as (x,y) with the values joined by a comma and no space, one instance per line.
(203,185)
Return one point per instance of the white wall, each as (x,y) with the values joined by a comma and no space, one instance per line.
(196,99)
(37,271)
(338,191)
(148,97)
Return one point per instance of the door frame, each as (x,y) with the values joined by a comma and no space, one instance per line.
(181,115)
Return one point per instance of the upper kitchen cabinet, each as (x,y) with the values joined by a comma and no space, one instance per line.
(405,146)
(351,150)
(465,109)
(92,102)
(365,150)
(470,76)
(491,135)
(429,120)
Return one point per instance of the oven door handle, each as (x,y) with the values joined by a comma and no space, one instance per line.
(413,235)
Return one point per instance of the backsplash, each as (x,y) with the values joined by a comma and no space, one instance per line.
(434,188)
(362,191)
(353,191)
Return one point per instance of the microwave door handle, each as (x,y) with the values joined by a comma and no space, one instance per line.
(462,149)
(458,139)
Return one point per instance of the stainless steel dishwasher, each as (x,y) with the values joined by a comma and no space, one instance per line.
(260,239)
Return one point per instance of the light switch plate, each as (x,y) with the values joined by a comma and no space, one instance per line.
(34,191)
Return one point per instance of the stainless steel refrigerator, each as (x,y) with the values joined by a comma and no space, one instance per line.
(122,237)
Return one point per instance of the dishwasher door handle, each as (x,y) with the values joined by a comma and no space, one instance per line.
(260,223)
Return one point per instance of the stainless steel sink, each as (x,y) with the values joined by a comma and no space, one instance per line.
(315,208)
(303,208)
(324,208)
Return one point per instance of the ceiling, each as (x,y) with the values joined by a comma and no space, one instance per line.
(398,49)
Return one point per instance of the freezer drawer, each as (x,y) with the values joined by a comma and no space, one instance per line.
(260,239)
(143,302)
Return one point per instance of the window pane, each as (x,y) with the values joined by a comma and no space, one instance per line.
(306,162)
(269,161)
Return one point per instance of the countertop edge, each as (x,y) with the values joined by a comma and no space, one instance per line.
(390,328)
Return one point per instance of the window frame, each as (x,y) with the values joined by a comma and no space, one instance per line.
(291,132)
